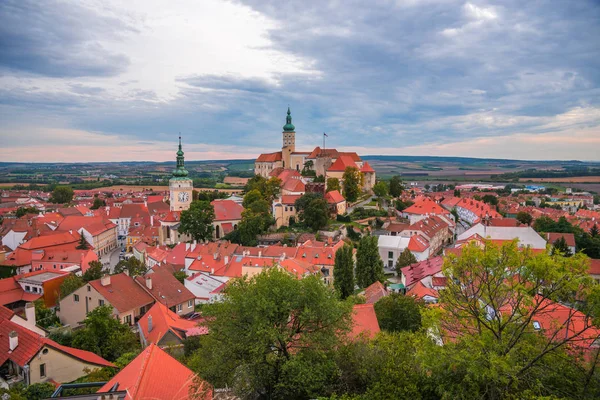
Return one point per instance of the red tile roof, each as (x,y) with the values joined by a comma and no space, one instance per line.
(165,287)
(341,164)
(123,293)
(425,206)
(418,243)
(154,374)
(594,266)
(269,157)
(94,225)
(415,272)
(11,292)
(375,292)
(334,197)
(420,291)
(165,320)
(290,199)
(552,237)
(226,210)
(366,168)
(54,239)
(293,185)
(364,321)
(318,152)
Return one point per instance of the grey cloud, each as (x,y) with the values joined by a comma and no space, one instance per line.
(221,82)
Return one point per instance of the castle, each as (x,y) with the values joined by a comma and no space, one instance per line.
(330,163)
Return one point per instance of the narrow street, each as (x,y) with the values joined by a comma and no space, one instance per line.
(111,259)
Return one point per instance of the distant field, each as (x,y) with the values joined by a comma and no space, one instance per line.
(133,188)
(241,166)
(572,179)
(11,184)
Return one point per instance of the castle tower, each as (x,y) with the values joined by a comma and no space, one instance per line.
(289,141)
(180,186)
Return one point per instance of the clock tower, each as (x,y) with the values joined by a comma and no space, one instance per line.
(180,186)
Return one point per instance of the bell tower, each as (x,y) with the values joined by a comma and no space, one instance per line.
(289,141)
(180,185)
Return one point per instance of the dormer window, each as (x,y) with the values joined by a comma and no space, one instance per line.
(536,325)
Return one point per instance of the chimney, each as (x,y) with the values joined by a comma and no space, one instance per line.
(259,253)
(226,260)
(212,271)
(105,280)
(215,256)
(152,220)
(149,323)
(30,313)
(71,231)
(149,282)
(13,340)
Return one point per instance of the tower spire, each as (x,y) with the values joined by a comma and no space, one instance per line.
(180,171)
(289,127)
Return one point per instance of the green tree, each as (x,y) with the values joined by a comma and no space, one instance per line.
(95,271)
(380,189)
(490,199)
(251,197)
(271,336)
(21,211)
(105,335)
(82,244)
(333,184)
(180,276)
(369,267)
(594,231)
(197,220)
(352,181)
(343,272)
(98,202)
(405,259)
(268,188)
(560,247)
(402,204)
(456,193)
(316,214)
(396,312)
(303,201)
(524,218)
(308,168)
(70,284)
(319,179)
(396,186)
(44,316)
(256,220)
(132,265)
(61,195)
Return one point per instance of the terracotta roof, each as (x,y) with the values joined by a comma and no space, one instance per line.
(54,239)
(290,199)
(154,374)
(396,227)
(375,292)
(366,168)
(293,185)
(420,291)
(341,164)
(415,272)
(163,321)
(425,206)
(439,281)
(298,267)
(226,210)
(123,293)
(11,292)
(594,266)
(94,225)
(418,243)
(269,157)
(318,152)
(166,288)
(364,321)
(552,237)
(334,197)
(503,222)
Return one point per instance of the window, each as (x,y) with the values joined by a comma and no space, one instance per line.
(127,319)
(536,325)
(76,298)
(190,303)
(89,288)
(34,289)
(27,288)
(390,254)
(42,370)
(100,302)
(179,307)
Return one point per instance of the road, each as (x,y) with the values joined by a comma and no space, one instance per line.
(111,258)
(362,203)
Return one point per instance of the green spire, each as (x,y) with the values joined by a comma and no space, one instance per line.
(180,171)
(289,127)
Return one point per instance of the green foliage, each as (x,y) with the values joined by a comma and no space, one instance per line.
(405,259)
(596,199)
(180,276)
(61,195)
(584,241)
(456,193)
(454,213)
(308,168)
(381,189)
(397,312)
(251,197)
(560,247)
(70,284)
(333,184)
(319,179)
(82,244)
(36,391)
(316,214)
(271,336)
(21,211)
(132,265)
(490,199)
(594,232)
(352,179)
(361,213)
(105,335)
(95,271)
(98,202)
(524,218)
(268,188)
(396,186)
(44,316)
(369,267)
(343,272)
(197,220)
(256,219)
(402,204)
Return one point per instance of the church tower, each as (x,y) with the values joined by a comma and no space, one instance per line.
(180,186)
(289,141)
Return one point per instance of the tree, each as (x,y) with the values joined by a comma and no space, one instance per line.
(256,219)
(70,284)
(180,276)
(272,336)
(490,199)
(105,335)
(396,186)
(44,316)
(405,259)
(251,197)
(594,231)
(456,193)
(380,189)
(21,211)
(396,312)
(319,179)
(98,202)
(487,317)
(61,195)
(560,247)
(307,169)
(333,184)
(343,272)
(524,218)
(316,214)
(35,391)
(94,271)
(82,244)
(269,188)
(369,267)
(401,204)
(132,265)
(197,220)
(352,180)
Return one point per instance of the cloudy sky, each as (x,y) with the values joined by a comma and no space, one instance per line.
(114,80)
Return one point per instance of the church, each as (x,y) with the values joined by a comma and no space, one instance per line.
(330,163)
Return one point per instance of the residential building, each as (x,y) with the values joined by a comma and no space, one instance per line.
(284,210)
(166,289)
(336,202)
(164,328)
(424,272)
(99,232)
(205,287)
(228,214)
(364,322)
(526,236)
(569,238)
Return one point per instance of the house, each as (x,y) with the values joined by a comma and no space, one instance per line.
(99,232)
(433,229)
(26,320)
(423,272)
(422,208)
(390,248)
(44,283)
(336,202)
(569,238)
(127,298)
(526,236)
(364,322)
(154,374)
(594,270)
(470,210)
(228,214)
(164,328)
(374,292)
(27,357)
(14,296)
(426,294)
(284,210)
(207,288)
(167,290)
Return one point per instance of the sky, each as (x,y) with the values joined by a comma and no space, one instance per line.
(112,80)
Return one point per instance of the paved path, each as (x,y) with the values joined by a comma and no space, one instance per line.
(362,203)
(111,258)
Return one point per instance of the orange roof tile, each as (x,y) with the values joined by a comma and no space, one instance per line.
(364,321)
(366,168)
(375,292)
(341,164)
(122,292)
(420,291)
(334,197)
(269,157)
(164,321)
(227,210)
